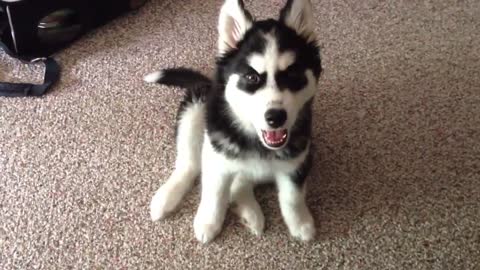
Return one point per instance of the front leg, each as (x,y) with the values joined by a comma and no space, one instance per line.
(294,210)
(215,194)
(246,206)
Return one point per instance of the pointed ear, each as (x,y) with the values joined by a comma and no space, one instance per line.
(234,21)
(298,15)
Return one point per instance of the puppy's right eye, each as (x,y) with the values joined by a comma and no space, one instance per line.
(252,78)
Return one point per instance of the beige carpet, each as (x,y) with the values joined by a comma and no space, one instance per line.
(396,180)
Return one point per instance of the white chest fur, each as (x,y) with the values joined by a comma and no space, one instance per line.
(253,168)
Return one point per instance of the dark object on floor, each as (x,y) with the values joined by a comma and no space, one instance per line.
(34,30)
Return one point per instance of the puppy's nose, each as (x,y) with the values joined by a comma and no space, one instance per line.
(276,117)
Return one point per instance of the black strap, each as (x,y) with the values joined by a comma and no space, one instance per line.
(52,73)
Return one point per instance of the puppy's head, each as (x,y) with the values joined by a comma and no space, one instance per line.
(270,68)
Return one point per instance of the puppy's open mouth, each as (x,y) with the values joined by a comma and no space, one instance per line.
(275,138)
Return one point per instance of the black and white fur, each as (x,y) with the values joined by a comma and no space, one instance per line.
(251,124)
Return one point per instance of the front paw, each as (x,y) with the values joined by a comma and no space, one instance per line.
(303,231)
(163,203)
(302,227)
(252,217)
(205,230)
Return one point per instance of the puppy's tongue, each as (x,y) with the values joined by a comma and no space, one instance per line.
(275,135)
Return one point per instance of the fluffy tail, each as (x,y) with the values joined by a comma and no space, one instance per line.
(179,77)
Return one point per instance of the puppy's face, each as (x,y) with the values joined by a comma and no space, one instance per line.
(271,68)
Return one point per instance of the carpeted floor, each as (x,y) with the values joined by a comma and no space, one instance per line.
(396,180)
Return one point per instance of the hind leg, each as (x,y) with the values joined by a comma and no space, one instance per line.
(170,194)
(190,131)
(246,206)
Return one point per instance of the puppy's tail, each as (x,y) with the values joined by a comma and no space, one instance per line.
(179,77)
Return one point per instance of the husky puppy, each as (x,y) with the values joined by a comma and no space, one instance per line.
(251,124)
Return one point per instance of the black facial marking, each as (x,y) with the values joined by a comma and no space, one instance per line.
(246,82)
(293,78)
(307,53)
(235,61)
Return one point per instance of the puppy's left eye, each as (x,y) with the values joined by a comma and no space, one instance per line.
(252,78)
